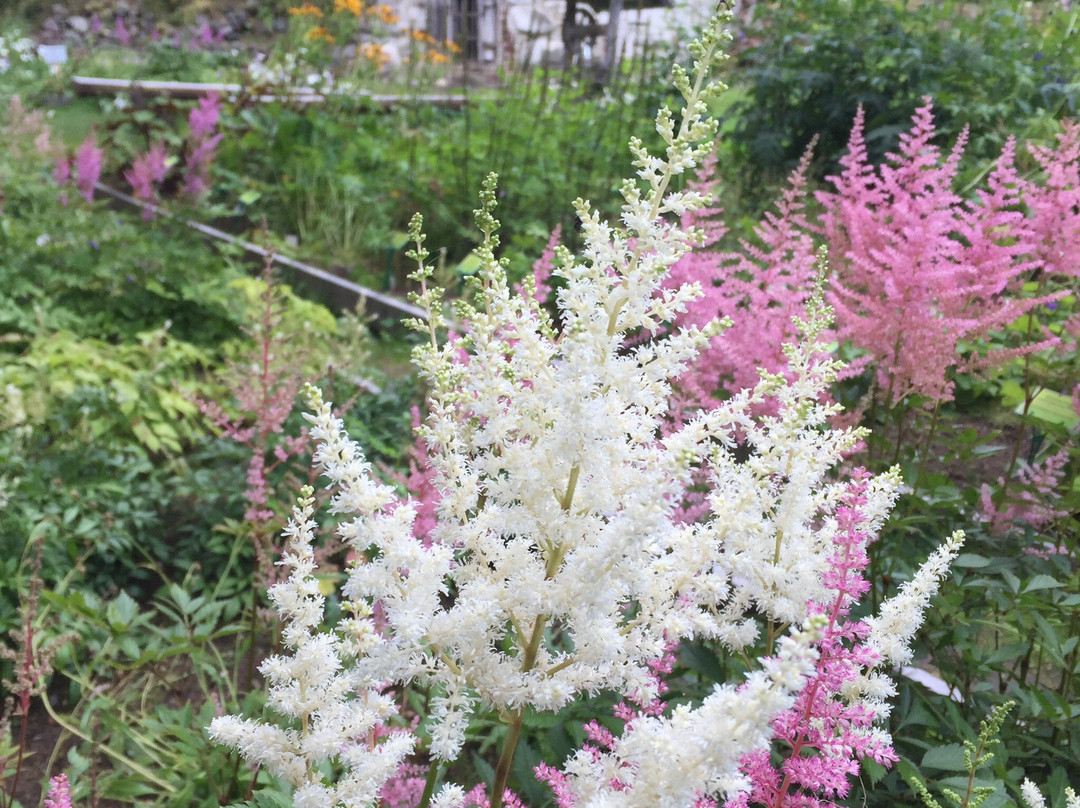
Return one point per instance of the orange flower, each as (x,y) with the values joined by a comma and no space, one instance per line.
(436,56)
(307,8)
(318,32)
(452,46)
(384,13)
(375,53)
(354,7)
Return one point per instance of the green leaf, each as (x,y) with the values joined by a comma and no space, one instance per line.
(971,560)
(1051,407)
(469,264)
(949,757)
(1041,582)
(121,611)
(1012,393)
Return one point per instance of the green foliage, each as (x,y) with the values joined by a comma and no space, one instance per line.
(160,61)
(345,180)
(1001,68)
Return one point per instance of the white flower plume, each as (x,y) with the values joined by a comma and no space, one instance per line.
(330,708)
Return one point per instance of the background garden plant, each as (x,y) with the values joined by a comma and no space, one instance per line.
(121,520)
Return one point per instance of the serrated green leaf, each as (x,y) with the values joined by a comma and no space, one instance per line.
(121,611)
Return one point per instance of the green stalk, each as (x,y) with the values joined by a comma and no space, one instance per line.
(429,784)
(926,448)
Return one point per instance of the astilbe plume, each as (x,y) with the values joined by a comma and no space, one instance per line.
(823,737)
(335,707)
(202,143)
(87,166)
(918,269)
(758,288)
(541,269)
(120,31)
(405,788)
(264,385)
(59,795)
(1033,797)
(1032,498)
(1053,202)
(147,170)
(557,565)
(31,660)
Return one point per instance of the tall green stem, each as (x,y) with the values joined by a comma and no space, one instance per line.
(513,730)
(926,448)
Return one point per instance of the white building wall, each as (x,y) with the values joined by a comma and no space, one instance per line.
(531,30)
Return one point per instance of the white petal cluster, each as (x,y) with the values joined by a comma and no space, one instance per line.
(669,762)
(1034,798)
(330,707)
(893,627)
(569,569)
(773,501)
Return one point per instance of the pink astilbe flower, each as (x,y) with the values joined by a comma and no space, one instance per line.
(202,143)
(120,32)
(87,167)
(61,171)
(476,797)
(62,175)
(759,288)
(59,795)
(420,485)
(264,387)
(918,270)
(405,788)
(824,736)
(541,268)
(1031,502)
(200,157)
(1054,203)
(147,170)
(203,118)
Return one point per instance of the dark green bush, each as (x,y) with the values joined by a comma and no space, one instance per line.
(809,64)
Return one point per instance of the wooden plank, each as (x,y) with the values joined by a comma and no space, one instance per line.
(90,85)
(377,300)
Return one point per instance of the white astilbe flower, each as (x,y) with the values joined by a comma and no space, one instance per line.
(899,617)
(1034,798)
(668,762)
(556,496)
(331,707)
(773,504)
(558,564)
(893,627)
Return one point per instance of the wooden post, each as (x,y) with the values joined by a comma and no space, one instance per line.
(611,52)
(569,33)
